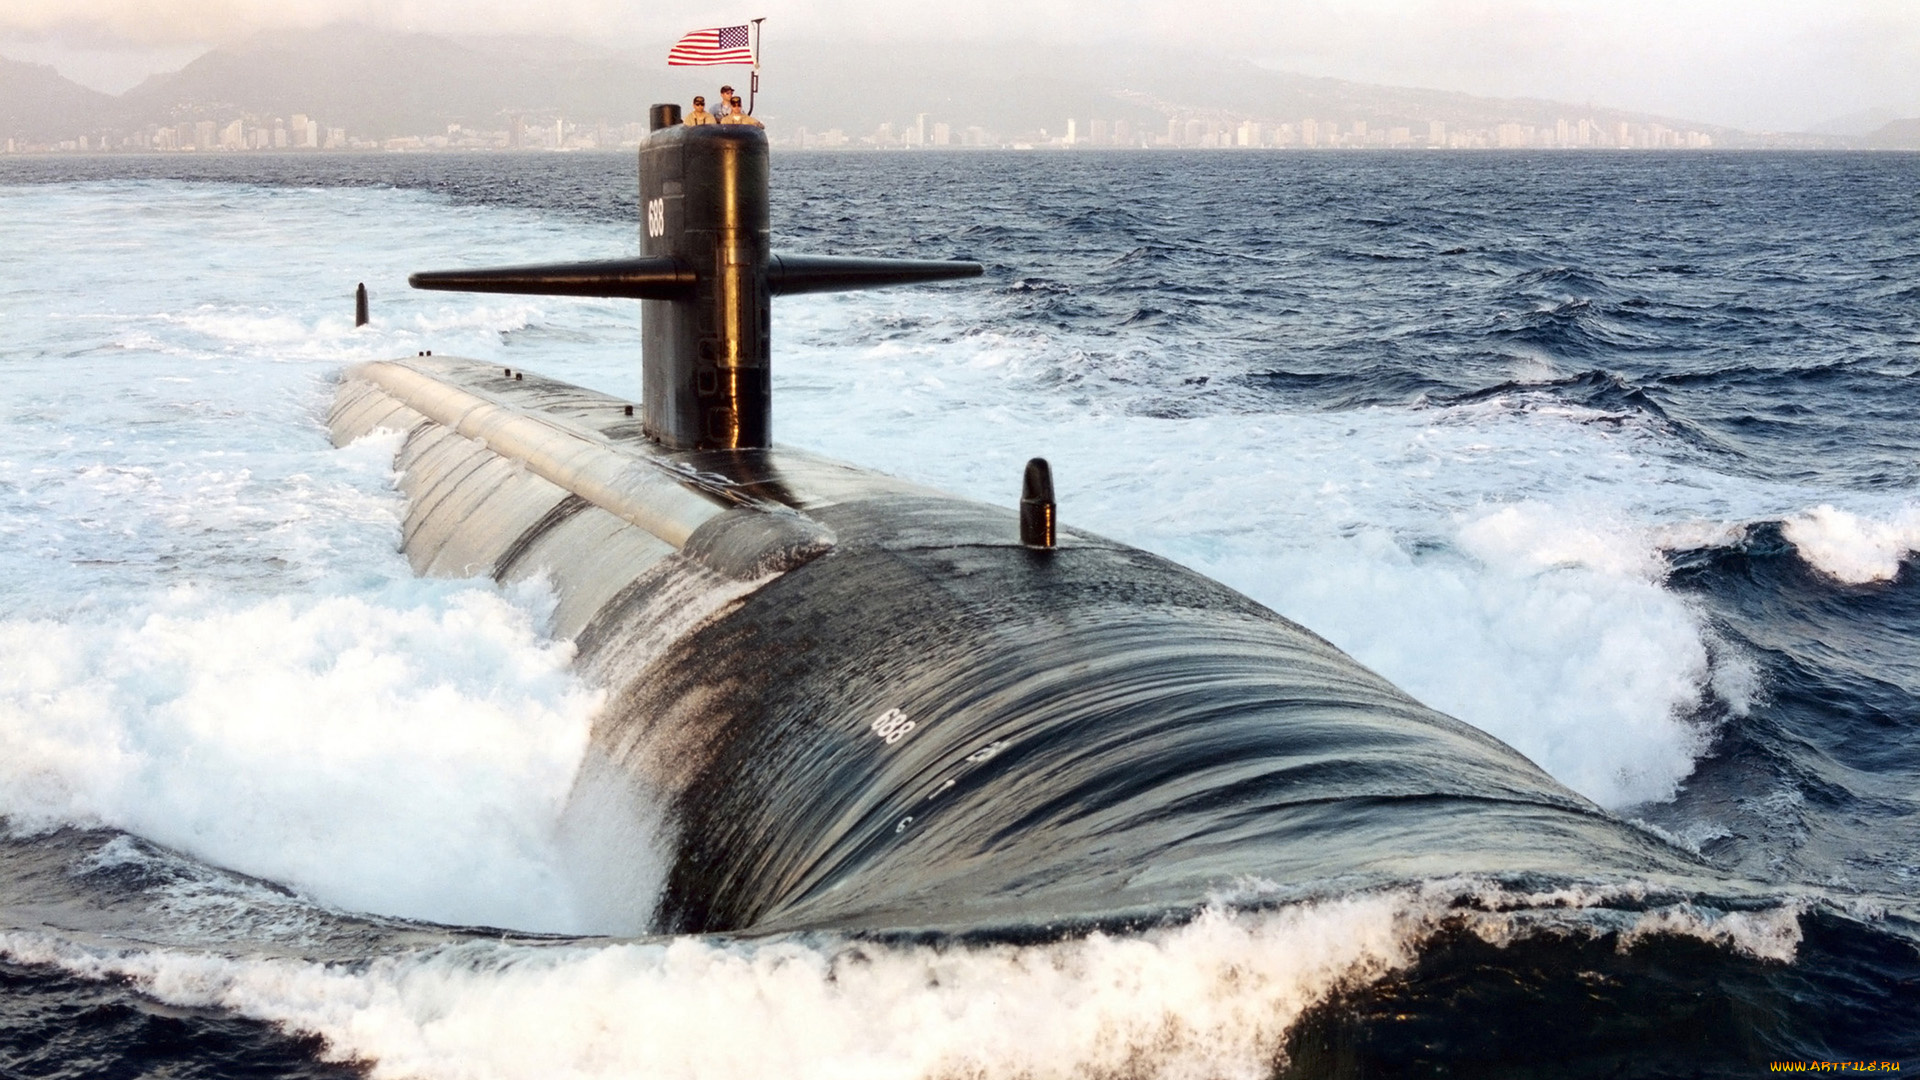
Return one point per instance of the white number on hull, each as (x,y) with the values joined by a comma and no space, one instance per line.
(656,217)
(892,726)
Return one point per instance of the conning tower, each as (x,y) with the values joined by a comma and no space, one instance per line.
(707,276)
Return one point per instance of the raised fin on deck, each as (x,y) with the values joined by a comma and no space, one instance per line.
(707,276)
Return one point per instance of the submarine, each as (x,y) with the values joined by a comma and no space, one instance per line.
(870,706)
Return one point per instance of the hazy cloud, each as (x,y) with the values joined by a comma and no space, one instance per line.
(1751,63)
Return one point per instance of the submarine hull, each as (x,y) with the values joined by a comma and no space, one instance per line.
(867,706)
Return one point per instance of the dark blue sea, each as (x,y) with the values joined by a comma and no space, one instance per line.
(1613,456)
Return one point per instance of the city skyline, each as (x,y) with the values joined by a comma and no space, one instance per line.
(1183,131)
(356,88)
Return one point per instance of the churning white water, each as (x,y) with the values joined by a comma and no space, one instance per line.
(1208,999)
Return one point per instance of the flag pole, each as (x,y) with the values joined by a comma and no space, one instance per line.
(753,83)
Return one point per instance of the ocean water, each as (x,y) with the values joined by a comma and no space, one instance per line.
(1615,457)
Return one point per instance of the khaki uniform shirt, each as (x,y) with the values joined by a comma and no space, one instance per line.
(698,116)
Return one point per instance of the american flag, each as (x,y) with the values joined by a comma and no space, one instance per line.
(719,45)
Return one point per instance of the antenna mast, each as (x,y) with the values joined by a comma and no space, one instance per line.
(753,81)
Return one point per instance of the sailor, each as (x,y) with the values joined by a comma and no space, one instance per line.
(720,103)
(699,115)
(738,115)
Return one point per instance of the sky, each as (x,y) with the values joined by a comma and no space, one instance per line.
(1762,65)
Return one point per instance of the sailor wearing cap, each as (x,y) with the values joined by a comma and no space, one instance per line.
(720,103)
(699,115)
(738,115)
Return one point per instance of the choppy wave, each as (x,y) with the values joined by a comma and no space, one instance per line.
(1851,548)
(1214,996)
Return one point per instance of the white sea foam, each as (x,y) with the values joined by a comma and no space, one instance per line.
(408,754)
(1770,934)
(1595,677)
(1212,998)
(1851,547)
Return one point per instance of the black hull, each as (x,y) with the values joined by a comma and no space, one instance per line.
(869,707)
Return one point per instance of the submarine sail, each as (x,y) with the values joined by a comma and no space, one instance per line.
(870,705)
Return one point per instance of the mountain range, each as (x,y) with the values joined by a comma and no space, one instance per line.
(380,84)
(37,103)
